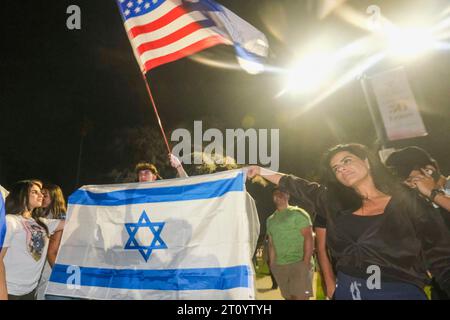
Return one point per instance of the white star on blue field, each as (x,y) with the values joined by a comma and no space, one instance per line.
(155,228)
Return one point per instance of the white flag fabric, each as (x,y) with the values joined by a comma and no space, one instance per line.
(189,238)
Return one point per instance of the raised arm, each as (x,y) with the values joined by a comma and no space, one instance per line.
(267,174)
(309,195)
(443,201)
(426,185)
(176,163)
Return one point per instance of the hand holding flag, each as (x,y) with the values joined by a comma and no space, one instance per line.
(162,31)
(176,163)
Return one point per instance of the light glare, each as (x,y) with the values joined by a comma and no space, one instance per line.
(410,42)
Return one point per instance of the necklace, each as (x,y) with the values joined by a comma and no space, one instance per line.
(370,205)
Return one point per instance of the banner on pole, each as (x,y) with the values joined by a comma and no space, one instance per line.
(397,105)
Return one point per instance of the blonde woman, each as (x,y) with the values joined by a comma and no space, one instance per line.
(53,207)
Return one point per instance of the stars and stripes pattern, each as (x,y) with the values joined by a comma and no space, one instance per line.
(162,31)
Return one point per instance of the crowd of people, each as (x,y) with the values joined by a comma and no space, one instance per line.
(35,219)
(378,231)
(381,231)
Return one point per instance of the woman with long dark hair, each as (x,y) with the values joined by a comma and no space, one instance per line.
(383,239)
(25,247)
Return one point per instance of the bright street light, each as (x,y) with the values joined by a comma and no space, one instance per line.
(408,43)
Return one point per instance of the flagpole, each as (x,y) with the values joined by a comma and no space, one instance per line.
(156,111)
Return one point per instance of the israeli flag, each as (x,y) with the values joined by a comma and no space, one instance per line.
(250,44)
(3,195)
(188,238)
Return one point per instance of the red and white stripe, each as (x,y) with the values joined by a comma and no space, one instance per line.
(169,33)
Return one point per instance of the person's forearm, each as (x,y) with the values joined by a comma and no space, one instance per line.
(181,172)
(327,269)
(272,255)
(53,247)
(271,176)
(3,288)
(51,258)
(308,248)
(442,201)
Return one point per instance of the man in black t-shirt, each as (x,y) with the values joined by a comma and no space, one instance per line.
(418,170)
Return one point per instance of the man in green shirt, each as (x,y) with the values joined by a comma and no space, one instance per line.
(291,247)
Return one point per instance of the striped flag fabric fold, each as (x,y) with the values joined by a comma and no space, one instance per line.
(162,31)
(3,194)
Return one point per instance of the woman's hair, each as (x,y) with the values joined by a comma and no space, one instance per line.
(17,201)
(347,197)
(57,205)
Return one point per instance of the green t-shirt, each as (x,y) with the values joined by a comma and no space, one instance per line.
(284,228)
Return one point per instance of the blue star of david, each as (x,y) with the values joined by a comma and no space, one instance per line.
(155,228)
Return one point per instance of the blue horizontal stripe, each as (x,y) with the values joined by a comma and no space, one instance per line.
(204,190)
(175,279)
(2,221)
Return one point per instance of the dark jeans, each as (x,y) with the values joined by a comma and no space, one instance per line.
(352,288)
(28,296)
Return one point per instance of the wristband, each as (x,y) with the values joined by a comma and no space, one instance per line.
(434,193)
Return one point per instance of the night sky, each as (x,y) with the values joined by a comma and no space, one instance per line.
(53,80)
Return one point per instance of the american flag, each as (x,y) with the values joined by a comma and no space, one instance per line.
(162,31)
